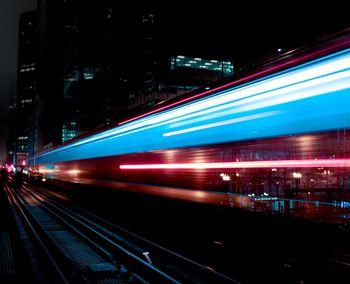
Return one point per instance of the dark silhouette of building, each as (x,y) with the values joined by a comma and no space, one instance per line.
(109,58)
(179,75)
(26,87)
(90,64)
(49,109)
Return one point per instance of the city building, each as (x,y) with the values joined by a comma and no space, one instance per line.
(22,108)
(180,75)
(49,105)
(108,58)
(89,65)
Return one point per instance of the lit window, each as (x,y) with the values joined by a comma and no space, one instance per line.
(88,73)
(181,61)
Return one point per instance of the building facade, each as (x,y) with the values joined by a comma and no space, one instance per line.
(91,64)
(24,104)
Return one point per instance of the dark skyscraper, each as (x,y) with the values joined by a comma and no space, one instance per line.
(49,105)
(109,59)
(26,85)
(91,64)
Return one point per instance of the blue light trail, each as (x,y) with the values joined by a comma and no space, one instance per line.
(307,98)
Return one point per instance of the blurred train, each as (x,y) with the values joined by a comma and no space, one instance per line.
(281,130)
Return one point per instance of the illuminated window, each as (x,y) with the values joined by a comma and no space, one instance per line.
(69,131)
(148,18)
(180,61)
(26,101)
(88,73)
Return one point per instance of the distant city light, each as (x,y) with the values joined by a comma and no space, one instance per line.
(296,175)
(225,177)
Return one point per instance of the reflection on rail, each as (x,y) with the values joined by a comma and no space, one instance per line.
(83,246)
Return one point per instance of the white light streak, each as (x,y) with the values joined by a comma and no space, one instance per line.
(221,123)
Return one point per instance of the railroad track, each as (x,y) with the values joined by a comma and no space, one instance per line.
(81,247)
(339,264)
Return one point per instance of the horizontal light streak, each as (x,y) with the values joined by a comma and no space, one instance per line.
(308,89)
(316,87)
(294,76)
(334,163)
(301,82)
(242,80)
(48,171)
(73,172)
(222,123)
(210,104)
(296,79)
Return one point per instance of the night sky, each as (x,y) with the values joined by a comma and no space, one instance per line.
(239,32)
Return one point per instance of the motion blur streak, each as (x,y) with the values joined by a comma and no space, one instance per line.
(221,123)
(335,163)
(321,85)
(239,81)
